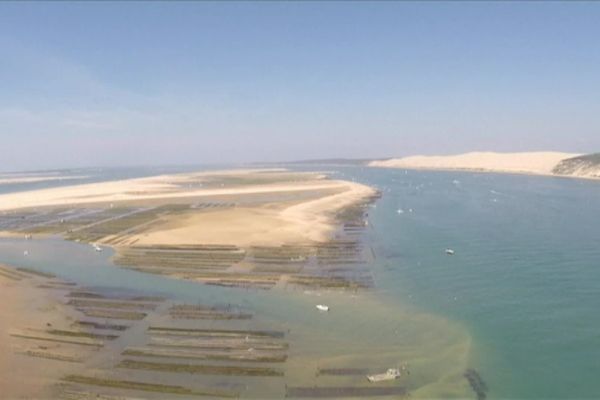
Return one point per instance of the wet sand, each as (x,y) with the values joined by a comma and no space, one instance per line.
(24,306)
(192,349)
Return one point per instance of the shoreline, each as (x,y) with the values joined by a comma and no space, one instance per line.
(242,228)
(488,171)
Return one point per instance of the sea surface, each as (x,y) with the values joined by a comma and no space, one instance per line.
(519,301)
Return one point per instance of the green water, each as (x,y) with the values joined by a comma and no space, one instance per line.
(525,279)
(518,301)
(362,330)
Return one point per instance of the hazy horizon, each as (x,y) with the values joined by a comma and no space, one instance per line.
(120,84)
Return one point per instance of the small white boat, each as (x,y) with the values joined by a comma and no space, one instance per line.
(400,211)
(450,252)
(25,253)
(322,307)
(96,247)
(390,374)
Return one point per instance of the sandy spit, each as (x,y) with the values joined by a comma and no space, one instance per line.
(310,218)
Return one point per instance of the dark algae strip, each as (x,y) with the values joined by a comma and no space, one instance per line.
(99,325)
(216,332)
(200,369)
(111,304)
(57,340)
(342,371)
(267,358)
(335,392)
(60,332)
(35,272)
(147,387)
(113,314)
(477,384)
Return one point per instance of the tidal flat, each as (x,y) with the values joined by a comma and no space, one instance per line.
(206,285)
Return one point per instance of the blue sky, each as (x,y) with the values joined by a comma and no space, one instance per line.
(161,83)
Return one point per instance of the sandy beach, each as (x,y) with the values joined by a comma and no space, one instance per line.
(541,163)
(274,223)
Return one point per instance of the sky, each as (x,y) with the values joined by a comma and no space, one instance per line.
(154,83)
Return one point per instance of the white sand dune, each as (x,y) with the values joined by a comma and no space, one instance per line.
(527,162)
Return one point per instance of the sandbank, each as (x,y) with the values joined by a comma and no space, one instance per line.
(36,179)
(272,206)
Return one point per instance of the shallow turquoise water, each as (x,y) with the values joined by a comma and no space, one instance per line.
(524,281)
